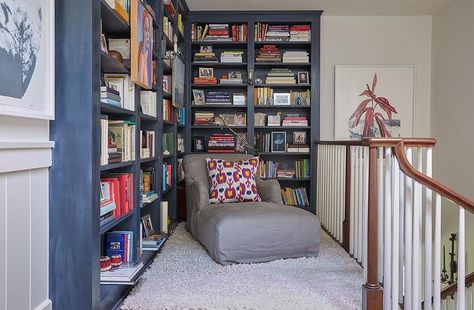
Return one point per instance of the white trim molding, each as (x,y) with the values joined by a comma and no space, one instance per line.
(18,156)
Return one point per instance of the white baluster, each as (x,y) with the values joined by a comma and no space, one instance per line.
(318,182)
(461,294)
(401,239)
(428,233)
(365,203)
(357,206)
(326,187)
(395,233)
(352,203)
(408,237)
(380,211)
(361,206)
(437,256)
(342,186)
(387,262)
(472,297)
(417,210)
(333,189)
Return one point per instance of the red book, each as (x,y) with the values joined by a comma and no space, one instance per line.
(221,151)
(130,193)
(115,184)
(123,191)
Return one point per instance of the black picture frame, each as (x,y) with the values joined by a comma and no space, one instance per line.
(199,144)
(278,141)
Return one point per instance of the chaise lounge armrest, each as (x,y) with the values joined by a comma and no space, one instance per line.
(269,190)
(198,196)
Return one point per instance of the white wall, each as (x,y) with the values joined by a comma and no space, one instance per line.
(376,40)
(453,107)
(25,155)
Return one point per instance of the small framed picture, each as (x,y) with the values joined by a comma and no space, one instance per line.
(229,119)
(199,97)
(147,225)
(273,120)
(234,75)
(238,99)
(299,137)
(281,99)
(206,72)
(205,49)
(240,119)
(103,44)
(198,144)
(278,141)
(303,77)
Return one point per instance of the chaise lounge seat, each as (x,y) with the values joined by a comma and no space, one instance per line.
(247,232)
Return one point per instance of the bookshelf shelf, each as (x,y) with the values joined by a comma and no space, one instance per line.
(110,109)
(112,24)
(221,43)
(285,154)
(218,106)
(282,64)
(168,156)
(218,86)
(145,117)
(285,44)
(110,65)
(284,85)
(282,107)
(147,160)
(105,228)
(168,123)
(117,165)
(219,64)
(215,127)
(282,127)
(147,204)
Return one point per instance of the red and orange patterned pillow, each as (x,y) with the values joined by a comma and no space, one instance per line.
(232,181)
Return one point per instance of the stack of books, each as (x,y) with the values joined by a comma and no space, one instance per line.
(231,56)
(280,76)
(167,143)
(168,29)
(116,189)
(209,57)
(148,102)
(295,196)
(205,80)
(268,53)
(121,135)
(302,168)
(203,117)
(239,33)
(147,185)
(125,275)
(108,202)
(263,96)
(277,33)
(147,144)
(295,120)
(296,57)
(123,84)
(110,96)
(216,32)
(221,143)
(300,33)
(120,243)
(298,148)
(263,142)
(218,97)
(154,244)
(230,79)
(167,176)
(301,97)
(268,169)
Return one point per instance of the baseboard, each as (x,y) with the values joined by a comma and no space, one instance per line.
(46,305)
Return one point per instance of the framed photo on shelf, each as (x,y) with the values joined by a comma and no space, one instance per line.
(199,97)
(278,141)
(229,119)
(303,77)
(274,120)
(238,99)
(299,137)
(142,44)
(281,99)
(27,51)
(234,75)
(240,119)
(206,72)
(198,144)
(205,49)
(147,226)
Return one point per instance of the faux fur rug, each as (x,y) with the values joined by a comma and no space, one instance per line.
(183,276)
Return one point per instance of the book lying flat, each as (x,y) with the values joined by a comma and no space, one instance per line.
(122,274)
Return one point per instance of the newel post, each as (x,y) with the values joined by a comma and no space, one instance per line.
(347,203)
(372,292)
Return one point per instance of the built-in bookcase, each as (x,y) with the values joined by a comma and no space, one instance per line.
(78,236)
(254,70)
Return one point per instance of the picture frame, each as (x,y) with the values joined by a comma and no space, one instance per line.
(141,50)
(240,119)
(234,75)
(199,97)
(299,137)
(283,99)
(278,139)
(274,120)
(206,72)
(239,99)
(30,91)
(199,144)
(303,77)
(229,119)
(205,49)
(103,44)
(147,226)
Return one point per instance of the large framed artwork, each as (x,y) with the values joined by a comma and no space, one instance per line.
(374,101)
(27,58)
(141,27)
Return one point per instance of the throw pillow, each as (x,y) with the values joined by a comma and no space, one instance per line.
(224,178)
(248,184)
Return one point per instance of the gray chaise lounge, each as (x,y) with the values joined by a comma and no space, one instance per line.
(246,232)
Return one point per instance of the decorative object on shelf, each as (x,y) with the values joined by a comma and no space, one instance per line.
(229,119)
(278,141)
(240,119)
(303,77)
(239,99)
(164,217)
(199,97)
(120,45)
(141,44)
(116,261)
(274,120)
(206,72)
(147,225)
(198,144)
(361,112)
(27,59)
(116,56)
(299,137)
(105,263)
(281,99)
(258,80)
(219,121)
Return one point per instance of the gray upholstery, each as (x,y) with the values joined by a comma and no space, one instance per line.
(246,232)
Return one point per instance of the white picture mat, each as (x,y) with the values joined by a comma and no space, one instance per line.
(38,100)
(396,83)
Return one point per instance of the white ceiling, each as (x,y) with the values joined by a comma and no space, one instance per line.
(330,7)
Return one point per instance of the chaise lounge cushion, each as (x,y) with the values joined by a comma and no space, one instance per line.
(257,232)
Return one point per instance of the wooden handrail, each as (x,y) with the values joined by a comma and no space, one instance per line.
(383,142)
(452,288)
(430,183)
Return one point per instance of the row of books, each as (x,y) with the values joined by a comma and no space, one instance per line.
(120,243)
(295,196)
(180,143)
(116,196)
(280,76)
(147,144)
(117,140)
(264,32)
(218,97)
(167,83)
(205,80)
(168,30)
(219,32)
(121,7)
(266,96)
(147,185)
(221,143)
(268,53)
(232,56)
(148,102)
(203,117)
(296,169)
(206,54)
(167,176)
(295,57)
(118,91)
(274,120)
(294,120)
(167,143)
(182,116)
(168,110)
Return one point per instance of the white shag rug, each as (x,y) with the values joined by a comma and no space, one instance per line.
(183,276)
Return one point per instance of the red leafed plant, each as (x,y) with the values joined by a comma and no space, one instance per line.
(369,107)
